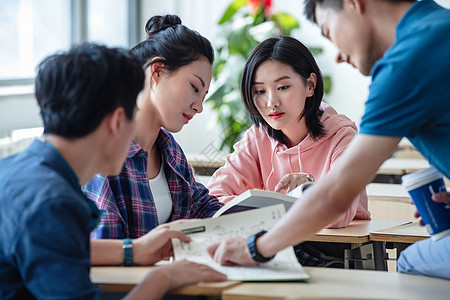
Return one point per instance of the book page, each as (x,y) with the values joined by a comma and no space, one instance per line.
(298,191)
(255,199)
(242,224)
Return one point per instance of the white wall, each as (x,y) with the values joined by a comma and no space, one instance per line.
(18,111)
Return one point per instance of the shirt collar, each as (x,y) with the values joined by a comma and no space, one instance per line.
(162,140)
(54,160)
(135,149)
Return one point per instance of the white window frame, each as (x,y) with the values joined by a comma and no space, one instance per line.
(79,23)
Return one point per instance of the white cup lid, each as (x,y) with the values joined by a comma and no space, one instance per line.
(416,179)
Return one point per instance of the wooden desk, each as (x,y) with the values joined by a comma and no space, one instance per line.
(390,201)
(360,251)
(406,233)
(356,232)
(387,192)
(400,237)
(124,279)
(405,144)
(402,166)
(329,283)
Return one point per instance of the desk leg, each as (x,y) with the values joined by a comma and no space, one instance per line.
(379,251)
(400,247)
(359,256)
(369,256)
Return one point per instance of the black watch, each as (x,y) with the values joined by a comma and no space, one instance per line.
(251,243)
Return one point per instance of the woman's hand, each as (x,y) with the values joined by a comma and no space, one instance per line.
(292,180)
(156,244)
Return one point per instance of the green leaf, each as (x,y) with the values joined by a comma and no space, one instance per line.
(315,50)
(286,22)
(231,10)
(259,17)
(327,84)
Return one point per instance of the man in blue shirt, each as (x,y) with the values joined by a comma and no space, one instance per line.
(404,46)
(87,98)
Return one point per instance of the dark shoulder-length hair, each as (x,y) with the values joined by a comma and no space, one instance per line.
(292,52)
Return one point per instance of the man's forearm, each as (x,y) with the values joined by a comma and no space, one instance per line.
(326,200)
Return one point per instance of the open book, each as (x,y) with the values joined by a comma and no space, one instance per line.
(259,198)
(284,267)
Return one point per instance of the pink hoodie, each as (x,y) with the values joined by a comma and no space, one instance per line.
(259,162)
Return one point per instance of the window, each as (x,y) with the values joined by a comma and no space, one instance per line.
(29,31)
(32,29)
(108,22)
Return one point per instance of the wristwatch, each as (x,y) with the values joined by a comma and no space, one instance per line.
(251,243)
(127,252)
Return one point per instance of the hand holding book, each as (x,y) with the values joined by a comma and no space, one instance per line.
(292,180)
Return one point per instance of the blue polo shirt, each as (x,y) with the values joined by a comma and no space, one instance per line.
(410,91)
(45,221)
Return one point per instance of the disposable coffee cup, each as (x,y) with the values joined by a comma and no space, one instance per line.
(421,186)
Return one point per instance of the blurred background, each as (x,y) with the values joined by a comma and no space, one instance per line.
(33,29)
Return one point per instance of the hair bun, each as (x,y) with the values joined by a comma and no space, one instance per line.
(159,23)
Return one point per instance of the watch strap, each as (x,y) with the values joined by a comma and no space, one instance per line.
(127,252)
(251,243)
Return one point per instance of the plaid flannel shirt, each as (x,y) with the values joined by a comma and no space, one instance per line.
(126,199)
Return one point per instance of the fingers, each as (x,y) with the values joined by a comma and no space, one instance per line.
(280,187)
(217,256)
(231,252)
(282,184)
(185,272)
(208,274)
(178,234)
(165,233)
(181,221)
(293,180)
(441,197)
(292,186)
(158,238)
(211,249)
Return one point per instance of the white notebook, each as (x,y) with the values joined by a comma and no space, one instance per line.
(284,267)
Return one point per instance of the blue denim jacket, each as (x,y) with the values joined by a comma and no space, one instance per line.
(45,221)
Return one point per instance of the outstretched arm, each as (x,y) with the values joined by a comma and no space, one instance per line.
(336,192)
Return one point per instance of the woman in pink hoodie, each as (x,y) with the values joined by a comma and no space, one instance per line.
(295,137)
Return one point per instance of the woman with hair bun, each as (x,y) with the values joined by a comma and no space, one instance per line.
(156,184)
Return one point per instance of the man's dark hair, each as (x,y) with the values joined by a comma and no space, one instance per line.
(76,89)
(176,44)
(291,52)
(310,6)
